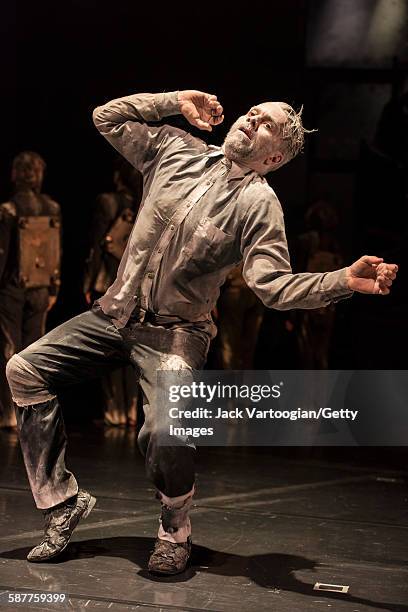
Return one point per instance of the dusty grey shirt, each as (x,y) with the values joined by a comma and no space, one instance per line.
(200,216)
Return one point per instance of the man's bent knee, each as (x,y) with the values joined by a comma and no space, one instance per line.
(173,363)
(26,384)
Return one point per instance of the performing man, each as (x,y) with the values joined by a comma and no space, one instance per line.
(204,210)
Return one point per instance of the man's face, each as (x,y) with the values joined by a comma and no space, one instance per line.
(254,137)
(28,173)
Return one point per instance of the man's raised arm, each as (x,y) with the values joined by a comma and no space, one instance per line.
(124,121)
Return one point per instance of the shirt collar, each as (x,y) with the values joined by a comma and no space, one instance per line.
(234,170)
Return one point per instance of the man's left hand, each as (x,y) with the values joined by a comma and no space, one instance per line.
(370,274)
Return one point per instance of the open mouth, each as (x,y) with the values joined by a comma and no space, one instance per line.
(246,131)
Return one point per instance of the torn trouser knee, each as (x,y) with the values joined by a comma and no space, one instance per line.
(26,384)
(171,362)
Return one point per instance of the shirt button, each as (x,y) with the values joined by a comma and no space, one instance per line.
(172,227)
(150,275)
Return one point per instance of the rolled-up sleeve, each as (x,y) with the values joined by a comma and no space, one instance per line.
(124,122)
(267,270)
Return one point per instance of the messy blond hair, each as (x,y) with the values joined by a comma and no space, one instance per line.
(292,132)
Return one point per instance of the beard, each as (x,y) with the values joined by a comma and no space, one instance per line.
(239,148)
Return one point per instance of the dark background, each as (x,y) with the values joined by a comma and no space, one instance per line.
(344,62)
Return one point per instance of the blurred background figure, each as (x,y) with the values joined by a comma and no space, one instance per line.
(383,180)
(381,219)
(317,250)
(239,317)
(30,258)
(113,219)
(391,138)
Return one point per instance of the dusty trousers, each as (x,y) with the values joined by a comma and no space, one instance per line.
(85,347)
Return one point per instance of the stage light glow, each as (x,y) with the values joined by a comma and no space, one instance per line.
(387,27)
(364,33)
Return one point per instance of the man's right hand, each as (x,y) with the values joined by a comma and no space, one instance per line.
(200,109)
(370,274)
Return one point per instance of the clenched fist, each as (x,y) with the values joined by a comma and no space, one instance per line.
(200,109)
(370,274)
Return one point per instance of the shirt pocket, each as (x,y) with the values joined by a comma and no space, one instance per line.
(208,249)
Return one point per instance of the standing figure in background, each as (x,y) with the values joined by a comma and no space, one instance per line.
(239,317)
(30,258)
(382,177)
(113,219)
(317,250)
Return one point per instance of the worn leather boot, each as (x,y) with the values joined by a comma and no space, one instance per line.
(60,522)
(169,558)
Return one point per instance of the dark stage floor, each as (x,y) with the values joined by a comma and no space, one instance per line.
(267,525)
